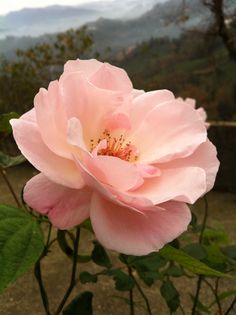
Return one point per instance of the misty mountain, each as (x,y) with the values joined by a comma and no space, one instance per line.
(168,19)
(56,18)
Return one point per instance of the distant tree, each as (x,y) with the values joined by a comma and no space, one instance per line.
(223,28)
(35,67)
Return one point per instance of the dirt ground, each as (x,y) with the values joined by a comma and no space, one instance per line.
(23,297)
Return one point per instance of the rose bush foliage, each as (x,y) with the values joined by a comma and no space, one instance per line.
(128,159)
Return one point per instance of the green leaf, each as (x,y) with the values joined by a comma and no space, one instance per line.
(8,161)
(123,282)
(100,257)
(171,295)
(189,262)
(175,271)
(5,126)
(21,243)
(217,236)
(87,277)
(195,250)
(149,277)
(80,305)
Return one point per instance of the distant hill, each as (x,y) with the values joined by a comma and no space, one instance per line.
(167,19)
(56,18)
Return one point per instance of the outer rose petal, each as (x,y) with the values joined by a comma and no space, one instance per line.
(29,141)
(52,120)
(204,157)
(102,75)
(65,207)
(91,105)
(145,102)
(109,77)
(169,131)
(184,184)
(129,232)
(87,67)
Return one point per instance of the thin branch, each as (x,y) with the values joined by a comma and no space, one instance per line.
(200,278)
(4,175)
(73,273)
(216,6)
(38,274)
(142,294)
(131,297)
(215,293)
(231,307)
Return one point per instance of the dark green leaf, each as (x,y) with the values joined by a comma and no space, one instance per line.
(87,277)
(149,277)
(21,243)
(80,305)
(171,295)
(196,251)
(5,126)
(189,262)
(175,271)
(99,256)
(8,161)
(123,282)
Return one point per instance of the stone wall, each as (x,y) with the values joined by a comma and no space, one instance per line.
(223,135)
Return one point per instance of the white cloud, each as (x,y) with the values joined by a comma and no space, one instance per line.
(14,5)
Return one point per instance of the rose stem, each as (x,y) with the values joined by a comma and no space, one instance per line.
(73,273)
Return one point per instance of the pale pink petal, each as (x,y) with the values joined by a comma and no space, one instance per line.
(65,207)
(118,121)
(29,141)
(29,116)
(204,157)
(111,193)
(75,133)
(92,106)
(145,102)
(126,231)
(52,120)
(113,171)
(171,130)
(88,67)
(148,171)
(111,78)
(184,184)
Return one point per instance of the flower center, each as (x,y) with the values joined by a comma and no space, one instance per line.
(116,146)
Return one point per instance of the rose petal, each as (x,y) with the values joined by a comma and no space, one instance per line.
(112,78)
(89,104)
(65,207)
(58,169)
(113,171)
(171,130)
(204,157)
(87,67)
(129,232)
(184,184)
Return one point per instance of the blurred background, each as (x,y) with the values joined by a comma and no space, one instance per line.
(187,46)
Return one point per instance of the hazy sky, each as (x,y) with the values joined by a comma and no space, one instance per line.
(13,5)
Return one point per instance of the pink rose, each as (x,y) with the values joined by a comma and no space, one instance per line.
(127,159)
